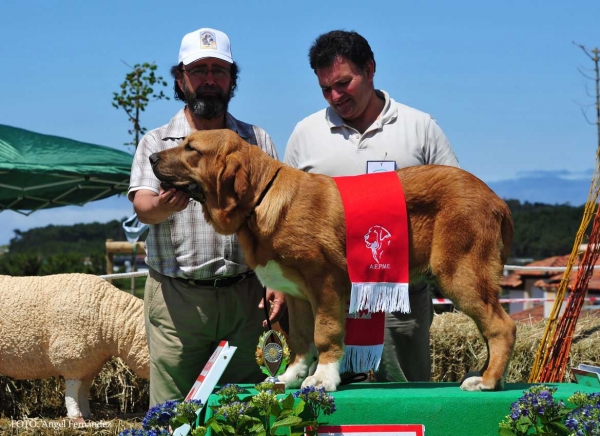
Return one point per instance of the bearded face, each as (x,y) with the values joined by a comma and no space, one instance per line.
(207,101)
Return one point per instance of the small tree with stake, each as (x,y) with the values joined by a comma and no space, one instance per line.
(136,92)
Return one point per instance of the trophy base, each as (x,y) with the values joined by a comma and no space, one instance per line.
(279,388)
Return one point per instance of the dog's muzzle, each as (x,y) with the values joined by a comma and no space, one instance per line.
(193,190)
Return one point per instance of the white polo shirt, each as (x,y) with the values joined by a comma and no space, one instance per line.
(322,143)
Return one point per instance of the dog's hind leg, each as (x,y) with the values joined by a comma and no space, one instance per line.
(474,288)
(301,337)
(498,331)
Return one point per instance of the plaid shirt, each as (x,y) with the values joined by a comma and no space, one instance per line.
(185,245)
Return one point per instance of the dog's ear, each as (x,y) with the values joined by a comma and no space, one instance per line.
(234,176)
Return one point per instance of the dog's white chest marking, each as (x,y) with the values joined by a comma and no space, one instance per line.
(271,276)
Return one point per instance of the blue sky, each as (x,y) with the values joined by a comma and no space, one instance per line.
(501,77)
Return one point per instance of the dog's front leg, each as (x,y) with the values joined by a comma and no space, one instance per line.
(302,349)
(329,342)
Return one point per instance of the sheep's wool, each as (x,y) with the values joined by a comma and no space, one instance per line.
(69,325)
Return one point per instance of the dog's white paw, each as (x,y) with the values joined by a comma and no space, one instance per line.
(475,383)
(326,376)
(294,374)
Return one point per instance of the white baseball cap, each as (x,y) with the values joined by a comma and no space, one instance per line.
(205,43)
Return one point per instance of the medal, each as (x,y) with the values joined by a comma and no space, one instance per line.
(273,355)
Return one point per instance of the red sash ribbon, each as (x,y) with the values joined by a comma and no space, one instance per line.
(377,257)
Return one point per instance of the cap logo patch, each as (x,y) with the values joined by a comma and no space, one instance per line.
(208,40)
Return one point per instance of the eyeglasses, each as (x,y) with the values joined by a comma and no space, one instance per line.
(202,73)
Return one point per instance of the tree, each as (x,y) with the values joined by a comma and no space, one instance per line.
(136,92)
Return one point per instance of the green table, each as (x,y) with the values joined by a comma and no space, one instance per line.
(442,408)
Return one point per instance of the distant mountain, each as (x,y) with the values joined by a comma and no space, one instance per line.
(544,188)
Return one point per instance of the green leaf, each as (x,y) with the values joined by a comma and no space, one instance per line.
(559,428)
(299,408)
(214,423)
(276,409)
(289,421)
(228,429)
(177,421)
(257,428)
(288,402)
(286,412)
(506,432)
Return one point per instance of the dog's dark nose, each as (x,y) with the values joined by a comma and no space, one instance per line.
(154,159)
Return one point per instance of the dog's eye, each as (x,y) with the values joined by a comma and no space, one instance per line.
(188,147)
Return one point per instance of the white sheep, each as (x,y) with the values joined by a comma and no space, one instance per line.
(69,325)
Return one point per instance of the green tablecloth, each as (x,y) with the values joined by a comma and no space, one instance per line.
(442,408)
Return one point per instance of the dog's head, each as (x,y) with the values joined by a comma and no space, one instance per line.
(212,167)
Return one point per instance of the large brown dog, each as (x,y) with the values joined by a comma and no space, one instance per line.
(291,227)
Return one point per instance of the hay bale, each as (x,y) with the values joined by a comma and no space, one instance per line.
(457,347)
(116,390)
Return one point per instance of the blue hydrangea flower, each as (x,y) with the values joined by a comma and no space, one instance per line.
(317,400)
(585,419)
(159,415)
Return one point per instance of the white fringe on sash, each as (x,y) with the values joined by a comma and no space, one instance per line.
(379,297)
(361,358)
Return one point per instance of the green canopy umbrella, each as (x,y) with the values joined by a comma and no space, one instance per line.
(42,171)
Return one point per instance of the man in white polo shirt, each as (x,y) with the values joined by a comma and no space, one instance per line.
(363,124)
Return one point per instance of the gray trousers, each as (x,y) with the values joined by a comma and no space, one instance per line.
(406,355)
(184,325)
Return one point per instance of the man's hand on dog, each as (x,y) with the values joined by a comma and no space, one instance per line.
(153,208)
(173,200)
(277,301)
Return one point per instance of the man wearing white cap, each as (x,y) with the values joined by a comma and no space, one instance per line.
(199,290)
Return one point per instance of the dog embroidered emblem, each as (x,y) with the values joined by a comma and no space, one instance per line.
(208,40)
(377,239)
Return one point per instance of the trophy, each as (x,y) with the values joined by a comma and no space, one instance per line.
(273,355)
